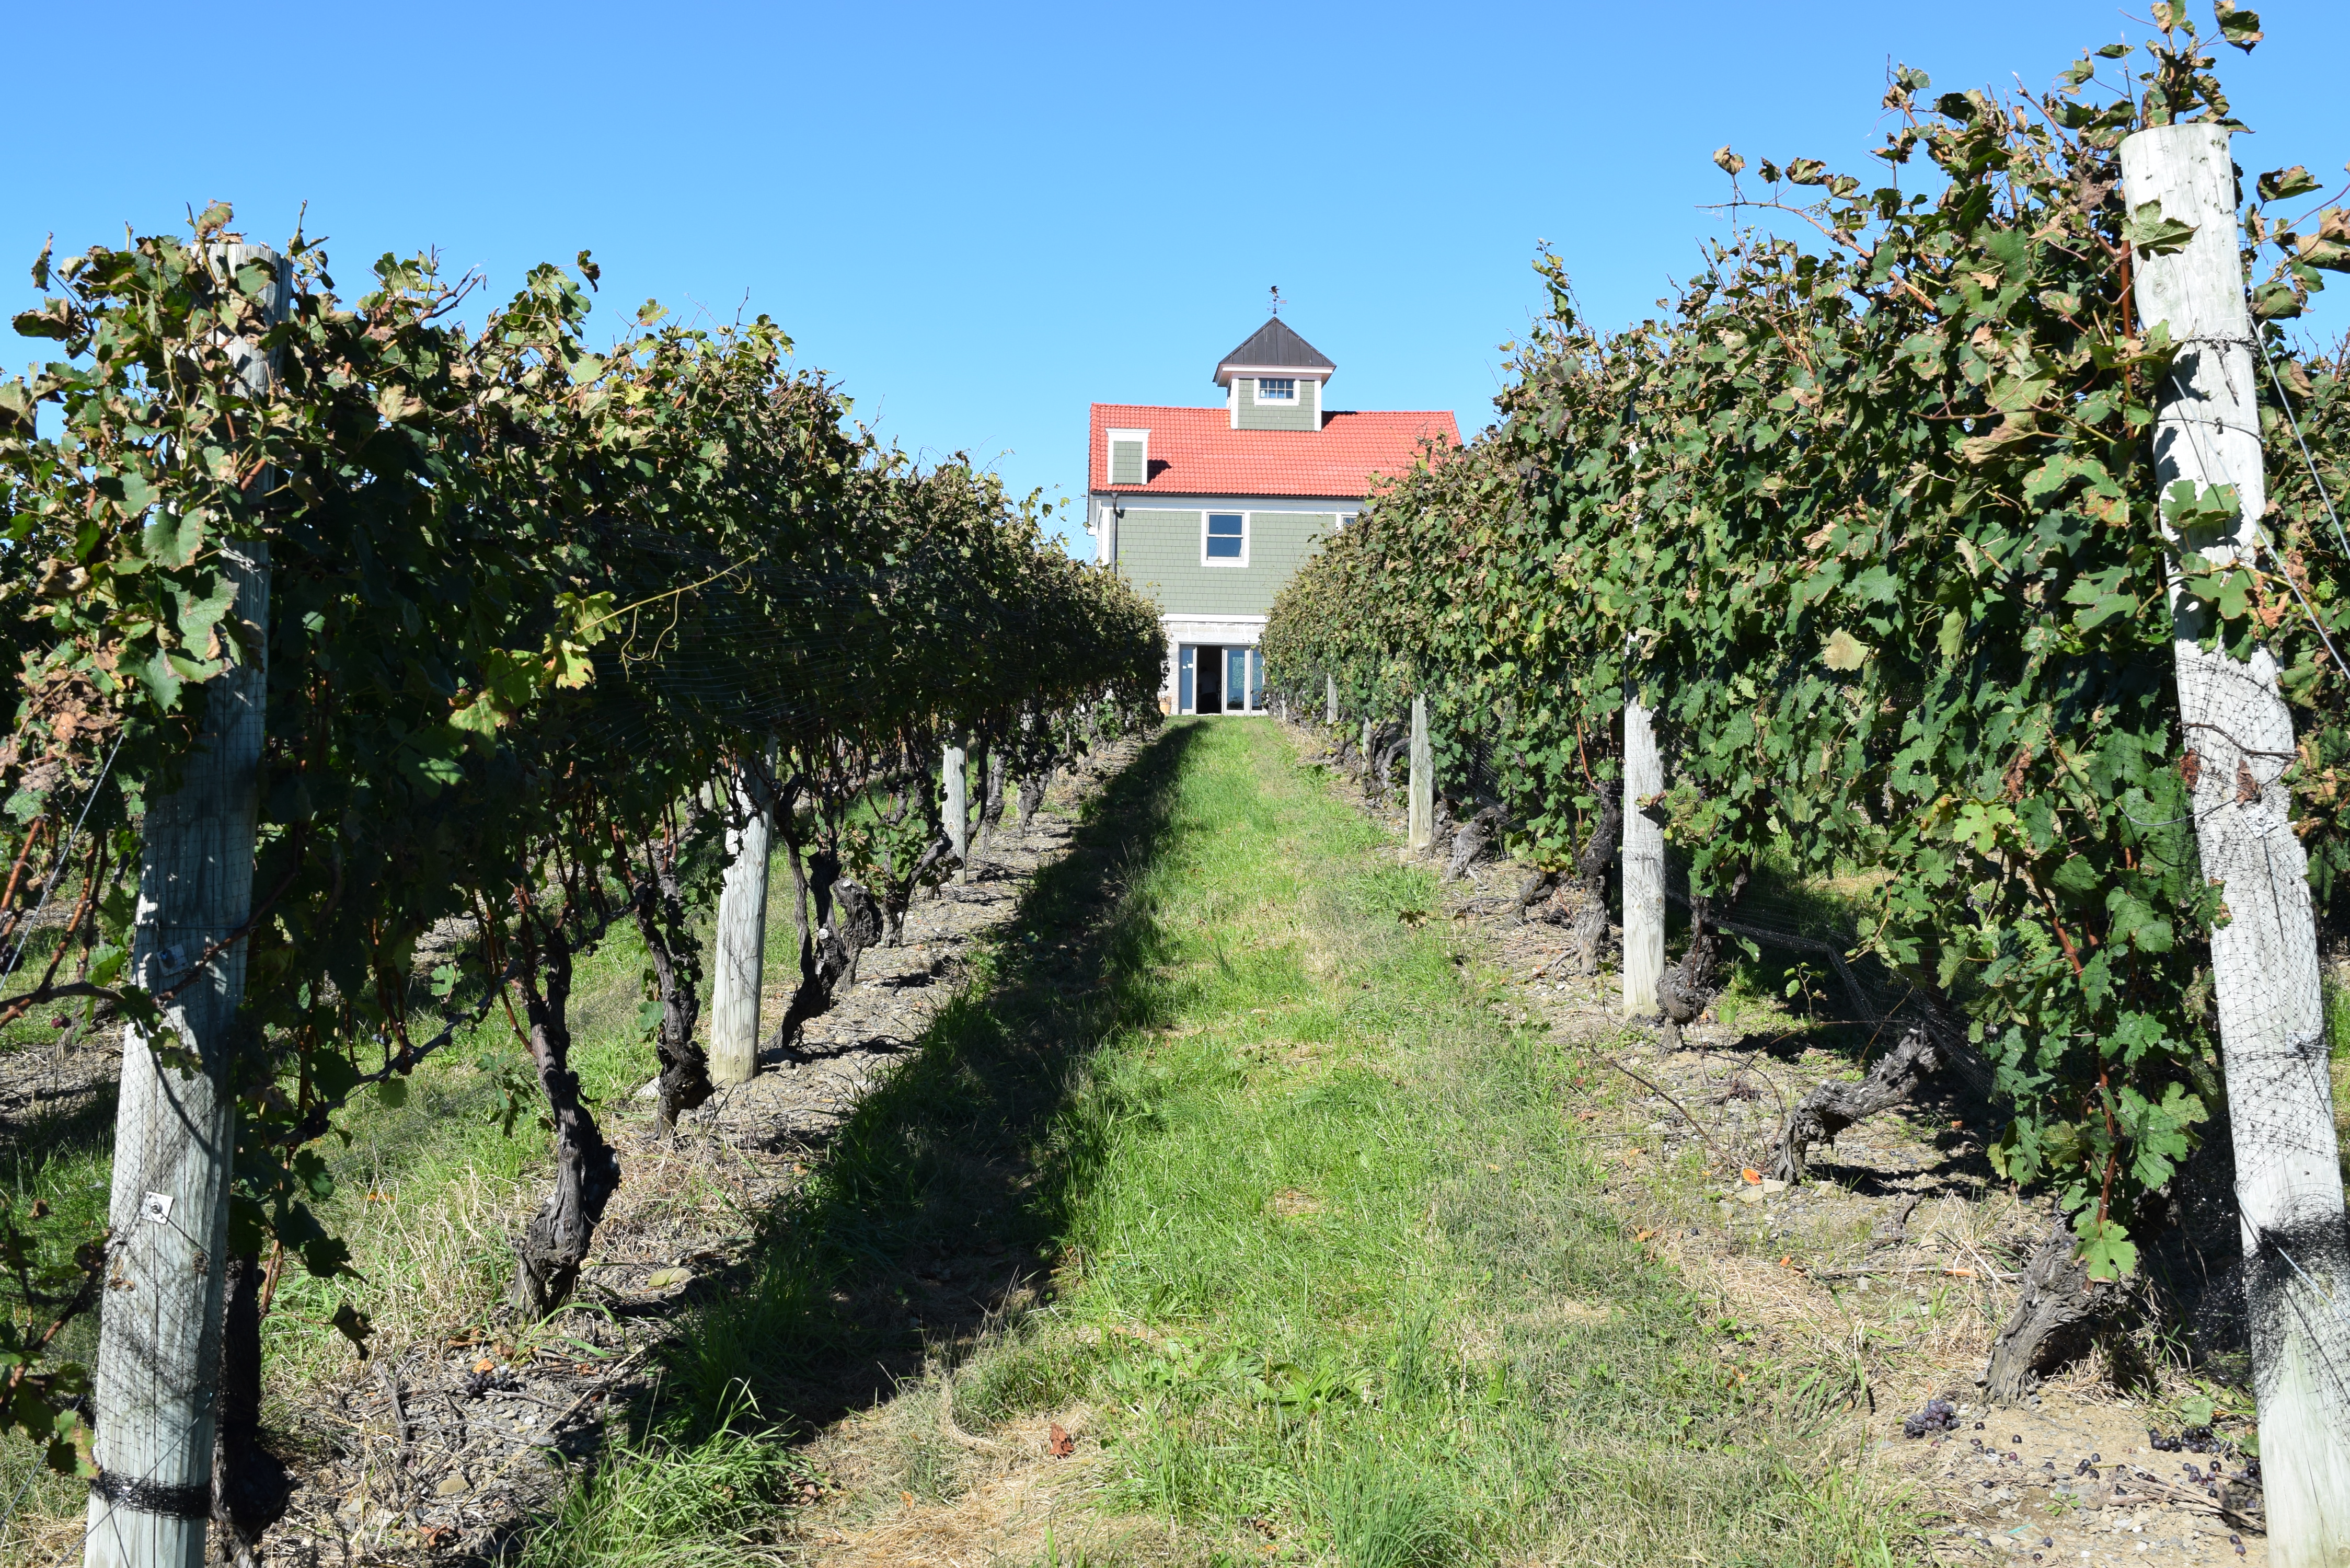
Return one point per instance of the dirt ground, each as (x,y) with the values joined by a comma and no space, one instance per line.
(1904,1248)
(1902,1255)
(443,1451)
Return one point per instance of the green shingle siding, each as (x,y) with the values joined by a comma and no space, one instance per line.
(1126,462)
(1306,414)
(1159,552)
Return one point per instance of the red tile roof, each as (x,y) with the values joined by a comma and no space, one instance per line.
(1195,452)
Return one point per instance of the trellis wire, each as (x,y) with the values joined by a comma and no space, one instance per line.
(65,854)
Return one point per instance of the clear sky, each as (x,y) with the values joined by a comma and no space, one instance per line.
(980,219)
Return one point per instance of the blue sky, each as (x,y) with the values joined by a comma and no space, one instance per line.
(982,219)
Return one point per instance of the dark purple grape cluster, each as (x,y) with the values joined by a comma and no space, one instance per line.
(500,1380)
(1939,1416)
(2193,1441)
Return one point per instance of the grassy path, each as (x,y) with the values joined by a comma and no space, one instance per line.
(1331,1280)
(1229,1176)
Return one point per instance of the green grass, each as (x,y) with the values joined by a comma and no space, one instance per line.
(678,1505)
(1384,1304)
(427,1192)
(1326,1260)
(1317,1248)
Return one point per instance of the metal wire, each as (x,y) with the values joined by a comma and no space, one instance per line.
(2268,357)
(65,854)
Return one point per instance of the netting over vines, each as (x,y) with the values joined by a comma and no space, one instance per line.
(1869,520)
(543,623)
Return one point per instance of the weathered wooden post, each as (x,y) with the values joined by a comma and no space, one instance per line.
(957,811)
(1329,699)
(1644,865)
(741,936)
(1419,820)
(2239,741)
(158,1347)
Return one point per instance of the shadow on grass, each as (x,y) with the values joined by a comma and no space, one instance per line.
(939,1201)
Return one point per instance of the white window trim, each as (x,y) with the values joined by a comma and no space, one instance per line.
(1248,532)
(1109,453)
(1265,399)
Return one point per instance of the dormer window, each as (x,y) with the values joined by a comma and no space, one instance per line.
(1276,388)
(1129,457)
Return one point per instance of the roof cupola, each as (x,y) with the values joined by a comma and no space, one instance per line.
(1274,381)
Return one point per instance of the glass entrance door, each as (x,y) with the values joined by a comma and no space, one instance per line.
(1210,678)
(1243,681)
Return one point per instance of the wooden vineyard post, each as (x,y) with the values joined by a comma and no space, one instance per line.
(158,1348)
(1644,865)
(957,811)
(2239,741)
(1419,830)
(1329,699)
(742,937)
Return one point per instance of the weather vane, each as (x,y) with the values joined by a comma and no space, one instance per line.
(1276,292)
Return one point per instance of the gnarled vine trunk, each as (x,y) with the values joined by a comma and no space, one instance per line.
(1474,838)
(991,800)
(659,906)
(251,1486)
(1389,750)
(1032,797)
(1832,1108)
(848,920)
(1589,935)
(1687,989)
(1534,890)
(2058,1298)
(587,1171)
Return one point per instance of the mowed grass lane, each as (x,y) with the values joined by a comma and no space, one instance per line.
(1348,1273)
(1330,1269)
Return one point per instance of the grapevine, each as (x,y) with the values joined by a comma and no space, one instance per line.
(533,609)
(1868,519)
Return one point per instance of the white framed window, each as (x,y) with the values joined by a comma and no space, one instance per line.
(1276,388)
(1345,519)
(1129,457)
(1223,539)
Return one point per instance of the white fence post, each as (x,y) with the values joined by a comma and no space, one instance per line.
(1644,865)
(2239,741)
(742,937)
(1419,829)
(175,1133)
(957,811)
(1329,699)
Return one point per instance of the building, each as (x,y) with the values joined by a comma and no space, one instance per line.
(1207,511)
